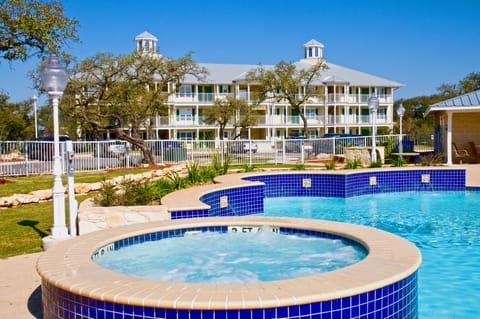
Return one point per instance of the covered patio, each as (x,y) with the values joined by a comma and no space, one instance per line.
(457,128)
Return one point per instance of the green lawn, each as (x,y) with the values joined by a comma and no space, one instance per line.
(23,227)
(24,185)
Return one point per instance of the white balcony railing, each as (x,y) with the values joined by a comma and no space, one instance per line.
(186,98)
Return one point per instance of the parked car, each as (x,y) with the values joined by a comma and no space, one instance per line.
(111,148)
(158,146)
(242,147)
(42,148)
(293,144)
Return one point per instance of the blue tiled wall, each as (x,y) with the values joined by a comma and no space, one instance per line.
(247,200)
(397,300)
(331,185)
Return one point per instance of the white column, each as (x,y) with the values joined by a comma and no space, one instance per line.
(449,138)
(59,229)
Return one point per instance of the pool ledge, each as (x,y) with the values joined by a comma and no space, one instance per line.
(68,266)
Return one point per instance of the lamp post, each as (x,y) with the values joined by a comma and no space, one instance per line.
(400,113)
(35,99)
(54,81)
(373,106)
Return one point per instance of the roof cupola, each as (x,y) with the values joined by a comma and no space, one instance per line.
(146,43)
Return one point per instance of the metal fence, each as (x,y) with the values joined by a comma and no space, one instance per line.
(23,158)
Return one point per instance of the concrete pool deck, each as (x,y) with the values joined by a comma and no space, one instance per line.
(20,295)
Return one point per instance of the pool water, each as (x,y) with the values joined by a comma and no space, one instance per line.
(233,257)
(444,225)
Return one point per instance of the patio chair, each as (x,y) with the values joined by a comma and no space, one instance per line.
(460,156)
(473,151)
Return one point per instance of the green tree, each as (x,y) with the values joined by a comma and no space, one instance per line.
(17,121)
(230,111)
(469,83)
(33,27)
(287,82)
(114,93)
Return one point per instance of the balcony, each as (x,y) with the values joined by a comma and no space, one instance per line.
(209,98)
(194,121)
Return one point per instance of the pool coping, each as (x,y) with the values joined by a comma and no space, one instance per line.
(69,266)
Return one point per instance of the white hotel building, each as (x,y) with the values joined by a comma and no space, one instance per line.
(342,108)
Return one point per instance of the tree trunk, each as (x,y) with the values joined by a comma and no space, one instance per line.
(305,123)
(140,143)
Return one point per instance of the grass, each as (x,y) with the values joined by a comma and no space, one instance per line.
(25,185)
(23,227)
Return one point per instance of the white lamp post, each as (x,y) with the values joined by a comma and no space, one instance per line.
(54,81)
(373,106)
(35,99)
(400,113)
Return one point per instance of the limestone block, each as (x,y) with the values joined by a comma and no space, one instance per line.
(82,188)
(9,201)
(42,195)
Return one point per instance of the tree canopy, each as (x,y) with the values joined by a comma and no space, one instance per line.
(415,107)
(230,111)
(17,122)
(109,92)
(285,83)
(33,27)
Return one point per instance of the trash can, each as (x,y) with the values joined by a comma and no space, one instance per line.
(174,154)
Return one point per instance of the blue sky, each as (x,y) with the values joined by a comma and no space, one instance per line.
(420,43)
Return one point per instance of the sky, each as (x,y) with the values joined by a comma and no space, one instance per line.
(419,43)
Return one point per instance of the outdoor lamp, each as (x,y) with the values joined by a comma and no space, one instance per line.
(400,113)
(54,81)
(35,99)
(373,106)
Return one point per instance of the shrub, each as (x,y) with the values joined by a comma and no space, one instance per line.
(176,181)
(219,167)
(431,159)
(136,193)
(377,164)
(107,196)
(193,173)
(353,164)
(332,164)
(248,168)
(398,161)
(161,188)
(299,167)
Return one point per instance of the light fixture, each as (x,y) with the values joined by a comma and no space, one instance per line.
(400,113)
(373,106)
(54,81)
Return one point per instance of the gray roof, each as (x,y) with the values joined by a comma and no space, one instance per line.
(228,73)
(464,102)
(313,43)
(146,35)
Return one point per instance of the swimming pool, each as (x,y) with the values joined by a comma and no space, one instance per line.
(380,287)
(444,225)
(234,255)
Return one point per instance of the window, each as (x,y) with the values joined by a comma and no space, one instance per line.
(185,135)
(224,89)
(310,52)
(311,114)
(185,90)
